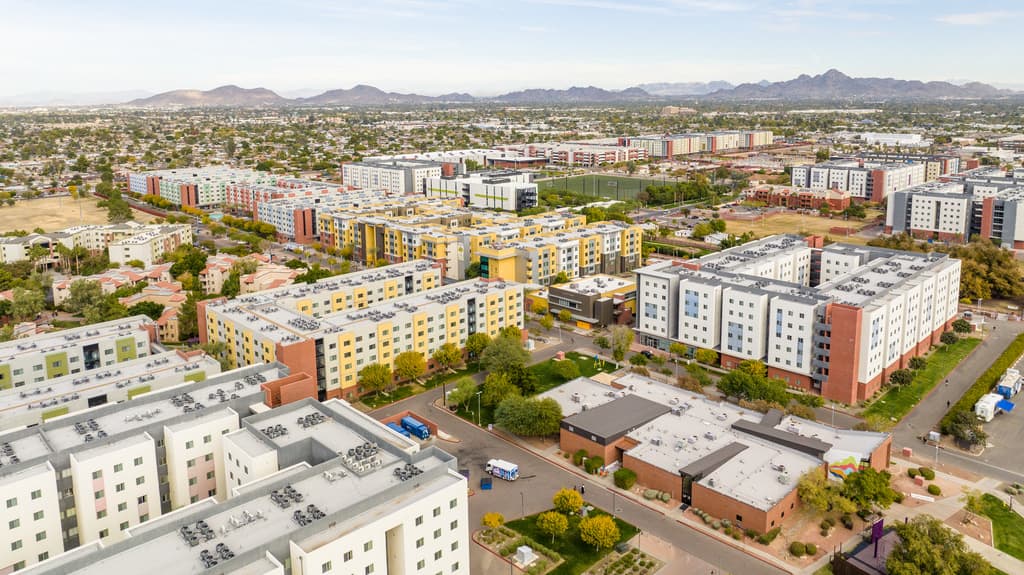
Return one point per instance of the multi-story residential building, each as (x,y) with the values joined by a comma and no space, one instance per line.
(112,280)
(147,242)
(713,142)
(247,197)
(864,181)
(267,275)
(74,351)
(834,320)
(987,181)
(34,403)
(394,176)
(935,165)
(336,345)
(196,187)
(735,463)
(505,190)
(946,211)
(336,492)
(150,246)
(296,218)
(91,475)
(583,154)
(599,248)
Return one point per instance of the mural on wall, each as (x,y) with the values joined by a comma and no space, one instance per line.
(840,468)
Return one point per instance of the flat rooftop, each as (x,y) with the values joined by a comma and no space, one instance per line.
(72,338)
(253,521)
(884,271)
(61,390)
(596,284)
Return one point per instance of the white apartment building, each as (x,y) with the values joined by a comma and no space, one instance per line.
(783,300)
(31,515)
(947,211)
(505,190)
(393,176)
(78,350)
(34,403)
(101,471)
(346,496)
(296,219)
(150,246)
(197,187)
(864,181)
(96,238)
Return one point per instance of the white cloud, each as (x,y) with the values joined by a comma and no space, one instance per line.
(975,18)
(605,5)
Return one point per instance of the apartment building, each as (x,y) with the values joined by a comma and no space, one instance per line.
(783,300)
(336,345)
(801,198)
(74,351)
(150,245)
(864,181)
(504,190)
(393,176)
(34,403)
(247,196)
(296,218)
(112,280)
(935,165)
(599,248)
(106,469)
(336,495)
(988,180)
(196,187)
(713,142)
(582,154)
(150,241)
(946,211)
(731,462)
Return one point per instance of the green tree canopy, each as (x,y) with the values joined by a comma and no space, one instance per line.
(375,377)
(927,546)
(447,356)
(621,337)
(599,531)
(82,295)
(26,304)
(529,417)
(567,501)
(477,343)
(464,390)
(503,354)
(410,365)
(552,523)
(497,388)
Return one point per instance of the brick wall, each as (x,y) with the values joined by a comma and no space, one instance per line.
(652,477)
(724,507)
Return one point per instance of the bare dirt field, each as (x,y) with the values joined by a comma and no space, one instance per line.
(52,214)
(789,223)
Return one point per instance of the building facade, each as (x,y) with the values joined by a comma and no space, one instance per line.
(504,190)
(863,181)
(393,176)
(195,187)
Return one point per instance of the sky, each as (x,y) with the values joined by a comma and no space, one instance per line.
(487,47)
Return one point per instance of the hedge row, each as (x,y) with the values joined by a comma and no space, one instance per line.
(984,383)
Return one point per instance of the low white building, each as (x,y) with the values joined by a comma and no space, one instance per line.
(394,176)
(505,190)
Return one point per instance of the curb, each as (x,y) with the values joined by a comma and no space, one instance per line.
(491,551)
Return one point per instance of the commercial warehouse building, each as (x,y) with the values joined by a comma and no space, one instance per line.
(505,190)
(832,320)
(731,462)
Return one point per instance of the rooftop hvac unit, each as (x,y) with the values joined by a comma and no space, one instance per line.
(784,478)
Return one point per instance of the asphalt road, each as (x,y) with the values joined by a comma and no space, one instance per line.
(1001,461)
(540,479)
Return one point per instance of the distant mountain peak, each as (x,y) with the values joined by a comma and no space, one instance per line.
(835,85)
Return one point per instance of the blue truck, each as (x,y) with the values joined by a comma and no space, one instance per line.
(398,429)
(415,427)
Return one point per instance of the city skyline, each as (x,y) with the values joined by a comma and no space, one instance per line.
(432,47)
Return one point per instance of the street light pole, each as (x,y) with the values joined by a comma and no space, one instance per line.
(522,503)
(478,408)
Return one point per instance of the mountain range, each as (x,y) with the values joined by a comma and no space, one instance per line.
(832,85)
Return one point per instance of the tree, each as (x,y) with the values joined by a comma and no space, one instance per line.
(447,356)
(529,417)
(410,365)
(869,487)
(187,259)
(706,356)
(219,351)
(949,338)
(602,342)
(599,531)
(926,545)
(552,523)
(493,520)
(477,343)
(901,377)
(856,211)
(547,322)
(621,339)
(503,354)
(465,389)
(564,315)
(473,270)
(147,308)
(511,332)
(567,501)
(26,304)
(819,493)
(540,308)
(497,388)
(638,360)
(188,318)
(375,377)
(822,154)
(82,295)
(566,369)
(962,326)
(966,428)
(313,274)
(917,362)
(560,278)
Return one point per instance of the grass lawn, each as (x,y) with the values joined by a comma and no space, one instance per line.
(440,378)
(546,378)
(578,555)
(380,399)
(897,402)
(1007,526)
(613,187)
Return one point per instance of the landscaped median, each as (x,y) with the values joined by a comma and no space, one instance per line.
(984,383)
(1007,525)
(901,399)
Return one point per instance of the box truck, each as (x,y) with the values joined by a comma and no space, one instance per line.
(502,469)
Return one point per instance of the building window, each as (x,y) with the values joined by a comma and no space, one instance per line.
(140,480)
(437,534)
(98,494)
(124,525)
(138,461)
(437,511)
(142,499)
(207,438)
(101,514)
(419,543)
(16,545)
(437,555)
(348,556)
(419,520)
(326,567)
(369,569)
(119,488)
(13,523)
(37,515)
(118,467)
(104,533)
(368,545)
(189,444)
(97,474)
(739,518)
(453,504)
(122,506)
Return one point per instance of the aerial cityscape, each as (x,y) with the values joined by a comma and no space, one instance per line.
(451,287)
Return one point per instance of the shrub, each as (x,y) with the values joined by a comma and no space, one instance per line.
(624,478)
(797,549)
(665,497)
(593,464)
(899,497)
(811,549)
(825,526)
(767,538)
(650,493)
(912,473)
(934,489)
(824,532)
(707,519)
(716,525)
(983,384)
(727,523)
(847,521)
(750,533)
(736,534)
(927,473)
(577,457)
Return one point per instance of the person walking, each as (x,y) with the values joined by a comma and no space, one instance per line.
(583,490)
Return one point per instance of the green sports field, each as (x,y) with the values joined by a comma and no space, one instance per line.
(613,187)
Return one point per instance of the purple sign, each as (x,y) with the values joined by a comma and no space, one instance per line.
(877,530)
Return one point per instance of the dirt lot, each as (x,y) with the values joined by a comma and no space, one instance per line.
(54,214)
(788,223)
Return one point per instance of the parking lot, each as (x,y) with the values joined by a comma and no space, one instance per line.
(1006,435)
